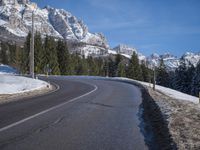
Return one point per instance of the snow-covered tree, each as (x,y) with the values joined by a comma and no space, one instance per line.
(196,81)
(162,77)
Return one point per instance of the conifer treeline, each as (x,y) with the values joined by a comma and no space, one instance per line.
(53,57)
(185,79)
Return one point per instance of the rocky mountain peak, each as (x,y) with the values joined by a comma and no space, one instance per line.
(16,21)
(13,2)
(23,1)
(125,49)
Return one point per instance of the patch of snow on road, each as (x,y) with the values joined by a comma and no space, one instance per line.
(10,84)
(169,92)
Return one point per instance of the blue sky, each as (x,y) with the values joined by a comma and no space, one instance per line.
(149,25)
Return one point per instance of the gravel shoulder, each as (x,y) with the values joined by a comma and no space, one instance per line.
(183,120)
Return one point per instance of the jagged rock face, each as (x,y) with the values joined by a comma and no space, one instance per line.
(191,58)
(124,49)
(16,18)
(67,25)
(171,62)
(23,1)
(13,2)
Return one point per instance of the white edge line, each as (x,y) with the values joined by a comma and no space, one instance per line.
(47,110)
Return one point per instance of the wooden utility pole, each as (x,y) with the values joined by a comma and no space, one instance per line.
(32,49)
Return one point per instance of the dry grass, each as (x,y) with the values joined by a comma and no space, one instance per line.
(183,120)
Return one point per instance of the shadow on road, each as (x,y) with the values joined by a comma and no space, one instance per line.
(152,125)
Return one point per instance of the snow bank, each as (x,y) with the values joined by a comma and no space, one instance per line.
(5,69)
(10,84)
(112,52)
(167,91)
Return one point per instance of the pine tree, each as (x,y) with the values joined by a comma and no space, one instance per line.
(134,70)
(100,63)
(105,68)
(111,68)
(162,77)
(18,53)
(4,53)
(74,63)
(38,53)
(118,63)
(190,75)
(63,58)
(145,72)
(12,54)
(24,64)
(50,58)
(93,67)
(82,68)
(181,80)
(195,88)
(121,71)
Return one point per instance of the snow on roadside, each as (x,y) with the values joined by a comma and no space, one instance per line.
(5,69)
(167,91)
(10,84)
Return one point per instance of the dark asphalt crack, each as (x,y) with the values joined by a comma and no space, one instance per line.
(99,104)
(38,130)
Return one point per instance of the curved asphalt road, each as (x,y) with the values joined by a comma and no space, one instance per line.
(84,114)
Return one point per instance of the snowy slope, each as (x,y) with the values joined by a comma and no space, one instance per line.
(127,52)
(167,91)
(11,84)
(112,52)
(124,49)
(5,69)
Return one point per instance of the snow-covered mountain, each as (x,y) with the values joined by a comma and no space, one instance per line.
(127,51)
(124,49)
(191,58)
(16,22)
(171,62)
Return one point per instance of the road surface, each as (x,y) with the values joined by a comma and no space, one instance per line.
(83,114)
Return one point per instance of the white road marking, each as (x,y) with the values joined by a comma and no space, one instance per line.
(47,110)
